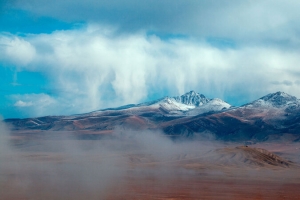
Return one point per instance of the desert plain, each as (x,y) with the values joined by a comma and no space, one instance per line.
(145,165)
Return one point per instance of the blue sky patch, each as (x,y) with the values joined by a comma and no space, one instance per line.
(23,22)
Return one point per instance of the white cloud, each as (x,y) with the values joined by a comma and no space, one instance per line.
(93,68)
(37,104)
(23,104)
(16,50)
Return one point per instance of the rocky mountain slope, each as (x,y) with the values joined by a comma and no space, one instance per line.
(272,117)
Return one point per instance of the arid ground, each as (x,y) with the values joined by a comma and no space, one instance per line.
(146,167)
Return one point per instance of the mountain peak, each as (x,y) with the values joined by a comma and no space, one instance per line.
(192,98)
(192,92)
(277,99)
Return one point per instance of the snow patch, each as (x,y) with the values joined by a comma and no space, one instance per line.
(213,105)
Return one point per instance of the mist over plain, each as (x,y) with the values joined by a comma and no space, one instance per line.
(56,165)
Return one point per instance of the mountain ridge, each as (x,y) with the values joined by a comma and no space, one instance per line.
(185,102)
(277,99)
(273,116)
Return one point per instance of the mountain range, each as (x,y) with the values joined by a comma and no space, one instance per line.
(275,116)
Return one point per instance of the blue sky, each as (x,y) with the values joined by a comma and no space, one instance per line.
(67,57)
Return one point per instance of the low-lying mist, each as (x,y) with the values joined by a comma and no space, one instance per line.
(57,165)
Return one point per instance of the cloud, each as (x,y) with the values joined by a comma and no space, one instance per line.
(37,104)
(19,51)
(23,104)
(93,68)
(270,21)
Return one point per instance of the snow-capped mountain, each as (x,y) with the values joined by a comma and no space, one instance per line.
(179,105)
(192,98)
(190,103)
(274,116)
(276,100)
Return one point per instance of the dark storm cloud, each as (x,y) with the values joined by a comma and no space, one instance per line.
(243,20)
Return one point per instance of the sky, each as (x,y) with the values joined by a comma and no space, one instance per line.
(74,56)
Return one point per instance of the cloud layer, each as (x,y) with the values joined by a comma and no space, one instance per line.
(94,68)
(133,51)
(274,21)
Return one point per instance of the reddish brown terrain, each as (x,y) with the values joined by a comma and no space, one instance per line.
(157,150)
(129,169)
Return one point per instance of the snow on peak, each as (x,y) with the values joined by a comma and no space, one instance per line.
(277,99)
(192,103)
(192,98)
(172,104)
(213,105)
(177,105)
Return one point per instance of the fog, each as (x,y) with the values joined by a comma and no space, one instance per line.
(4,148)
(58,165)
